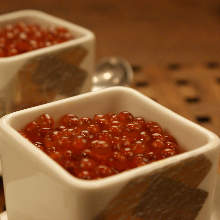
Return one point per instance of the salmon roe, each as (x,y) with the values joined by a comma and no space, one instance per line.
(21,37)
(93,148)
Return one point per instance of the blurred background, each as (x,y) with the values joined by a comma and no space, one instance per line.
(173,46)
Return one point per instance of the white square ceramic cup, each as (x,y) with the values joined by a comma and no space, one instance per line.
(179,187)
(46,74)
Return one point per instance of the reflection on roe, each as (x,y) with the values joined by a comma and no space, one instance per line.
(93,148)
(21,37)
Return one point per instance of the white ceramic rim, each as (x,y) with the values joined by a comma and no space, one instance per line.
(62,174)
(49,19)
(3,216)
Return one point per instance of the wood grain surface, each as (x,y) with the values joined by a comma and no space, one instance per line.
(173,46)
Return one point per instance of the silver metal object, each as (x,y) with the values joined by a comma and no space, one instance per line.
(112,71)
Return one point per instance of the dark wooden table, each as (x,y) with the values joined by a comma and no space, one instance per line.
(173,46)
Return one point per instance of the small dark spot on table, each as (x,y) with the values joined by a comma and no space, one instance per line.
(141,84)
(136,68)
(212,65)
(174,66)
(192,99)
(182,82)
(203,119)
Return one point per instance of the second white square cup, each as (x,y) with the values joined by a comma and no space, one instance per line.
(49,73)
